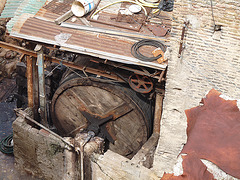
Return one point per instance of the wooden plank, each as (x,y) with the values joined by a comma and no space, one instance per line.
(146,153)
(158,113)
(114,166)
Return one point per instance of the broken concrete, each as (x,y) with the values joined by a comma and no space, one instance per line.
(48,157)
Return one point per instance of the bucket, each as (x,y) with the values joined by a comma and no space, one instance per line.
(82,7)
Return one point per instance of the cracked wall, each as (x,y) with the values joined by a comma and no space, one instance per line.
(209,60)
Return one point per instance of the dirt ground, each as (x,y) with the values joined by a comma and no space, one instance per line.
(8,61)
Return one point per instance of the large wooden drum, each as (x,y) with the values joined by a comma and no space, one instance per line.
(109,109)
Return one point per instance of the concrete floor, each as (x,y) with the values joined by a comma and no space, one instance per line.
(7,116)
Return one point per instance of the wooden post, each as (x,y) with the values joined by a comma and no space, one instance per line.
(158,113)
(35,89)
(30,81)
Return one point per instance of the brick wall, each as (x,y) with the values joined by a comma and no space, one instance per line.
(210,60)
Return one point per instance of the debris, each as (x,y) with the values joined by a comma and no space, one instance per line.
(10,54)
(24,115)
(158,30)
(134,8)
(62,37)
(158,52)
(166,5)
(193,168)
(10,68)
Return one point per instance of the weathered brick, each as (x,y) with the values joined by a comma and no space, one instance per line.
(206,63)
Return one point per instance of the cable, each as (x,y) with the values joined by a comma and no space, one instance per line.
(6,144)
(212,13)
(146,42)
(147,4)
(134,2)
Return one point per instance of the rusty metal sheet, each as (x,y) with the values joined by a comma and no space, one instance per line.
(59,7)
(158,30)
(96,44)
(213,132)
(193,168)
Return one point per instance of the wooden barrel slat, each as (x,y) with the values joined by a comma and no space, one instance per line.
(100,97)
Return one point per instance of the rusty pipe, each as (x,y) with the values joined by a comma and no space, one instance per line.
(182,37)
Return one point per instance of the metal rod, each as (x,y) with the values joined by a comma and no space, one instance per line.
(64,17)
(24,115)
(30,81)
(112,32)
(182,37)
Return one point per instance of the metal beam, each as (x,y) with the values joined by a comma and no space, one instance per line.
(42,91)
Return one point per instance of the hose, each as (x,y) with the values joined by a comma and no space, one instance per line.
(146,42)
(147,4)
(6,144)
(134,2)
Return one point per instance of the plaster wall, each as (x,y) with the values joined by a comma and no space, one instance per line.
(209,60)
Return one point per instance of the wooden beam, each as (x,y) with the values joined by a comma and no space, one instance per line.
(30,81)
(35,88)
(145,155)
(60,61)
(158,113)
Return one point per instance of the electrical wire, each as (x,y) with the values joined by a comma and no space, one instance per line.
(147,4)
(6,144)
(134,2)
(212,13)
(135,49)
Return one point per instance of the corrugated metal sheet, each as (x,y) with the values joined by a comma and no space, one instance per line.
(10,8)
(99,45)
(42,28)
(17,9)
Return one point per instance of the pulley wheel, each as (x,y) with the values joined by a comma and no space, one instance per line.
(140,83)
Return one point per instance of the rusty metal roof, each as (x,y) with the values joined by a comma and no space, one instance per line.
(42,28)
(14,9)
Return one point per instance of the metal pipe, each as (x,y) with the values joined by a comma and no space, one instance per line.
(42,91)
(30,81)
(182,37)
